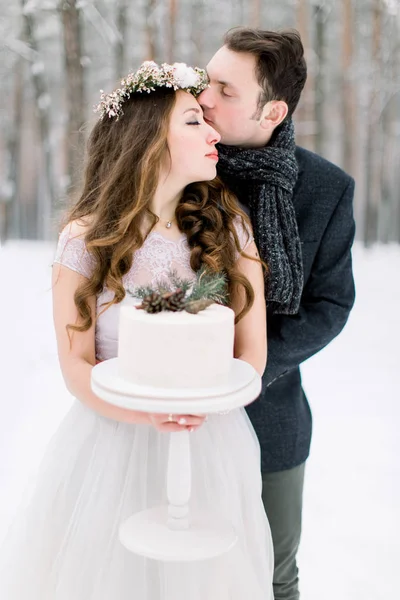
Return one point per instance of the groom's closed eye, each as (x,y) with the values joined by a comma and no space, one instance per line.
(223,92)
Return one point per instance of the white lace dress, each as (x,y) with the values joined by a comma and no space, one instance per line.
(97,472)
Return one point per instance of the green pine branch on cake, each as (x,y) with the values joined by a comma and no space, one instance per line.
(172,283)
(210,286)
(172,294)
(178,282)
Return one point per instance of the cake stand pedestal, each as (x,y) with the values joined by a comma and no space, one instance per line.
(173,533)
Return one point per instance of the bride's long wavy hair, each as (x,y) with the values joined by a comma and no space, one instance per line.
(124,160)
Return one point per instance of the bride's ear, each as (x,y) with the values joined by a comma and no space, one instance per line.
(274,112)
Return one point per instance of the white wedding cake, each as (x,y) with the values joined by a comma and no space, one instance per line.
(176,349)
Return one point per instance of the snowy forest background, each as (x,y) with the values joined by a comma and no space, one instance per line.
(57,54)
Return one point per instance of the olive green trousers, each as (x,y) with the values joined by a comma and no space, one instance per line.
(282,496)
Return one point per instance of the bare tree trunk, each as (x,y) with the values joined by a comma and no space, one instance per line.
(395,197)
(70,15)
(150,10)
(240,11)
(320,132)
(42,97)
(349,132)
(11,202)
(120,47)
(373,175)
(305,123)
(197,31)
(171,30)
(256,16)
(387,210)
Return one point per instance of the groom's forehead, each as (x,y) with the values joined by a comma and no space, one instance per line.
(227,66)
(222,59)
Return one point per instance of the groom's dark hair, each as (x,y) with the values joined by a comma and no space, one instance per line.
(281,68)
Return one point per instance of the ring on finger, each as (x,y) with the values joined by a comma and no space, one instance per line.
(171,418)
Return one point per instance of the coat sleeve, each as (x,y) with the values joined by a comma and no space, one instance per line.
(326,301)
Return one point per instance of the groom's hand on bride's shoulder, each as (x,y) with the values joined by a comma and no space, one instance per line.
(174,423)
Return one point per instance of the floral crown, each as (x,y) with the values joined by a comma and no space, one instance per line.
(147,78)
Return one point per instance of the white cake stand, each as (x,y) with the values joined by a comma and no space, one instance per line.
(170,533)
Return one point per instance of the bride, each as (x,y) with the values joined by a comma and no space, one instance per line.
(150,204)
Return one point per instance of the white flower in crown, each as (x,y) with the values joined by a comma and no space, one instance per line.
(185,76)
(147,78)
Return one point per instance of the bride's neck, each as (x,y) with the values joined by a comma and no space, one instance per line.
(165,200)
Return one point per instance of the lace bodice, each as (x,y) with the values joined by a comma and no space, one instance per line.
(151,264)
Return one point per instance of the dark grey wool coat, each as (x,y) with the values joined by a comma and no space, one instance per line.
(281,416)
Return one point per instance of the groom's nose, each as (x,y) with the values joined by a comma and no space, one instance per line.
(206,99)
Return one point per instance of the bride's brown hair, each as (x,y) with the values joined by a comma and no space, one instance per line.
(121,177)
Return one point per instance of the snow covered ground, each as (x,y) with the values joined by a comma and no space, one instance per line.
(350,548)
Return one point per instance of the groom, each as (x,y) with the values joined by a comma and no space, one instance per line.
(301,209)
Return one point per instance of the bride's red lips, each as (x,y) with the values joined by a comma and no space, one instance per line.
(213,155)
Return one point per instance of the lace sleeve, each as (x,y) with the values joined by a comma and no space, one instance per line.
(245,233)
(71,252)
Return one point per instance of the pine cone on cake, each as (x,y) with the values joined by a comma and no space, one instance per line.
(153,303)
(174,301)
(196,306)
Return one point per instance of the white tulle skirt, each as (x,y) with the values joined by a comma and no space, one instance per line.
(96,473)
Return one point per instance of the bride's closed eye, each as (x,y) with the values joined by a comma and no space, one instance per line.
(193,123)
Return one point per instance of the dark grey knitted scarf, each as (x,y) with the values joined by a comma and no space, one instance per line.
(264,179)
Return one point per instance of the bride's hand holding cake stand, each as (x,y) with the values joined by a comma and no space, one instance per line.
(174,423)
